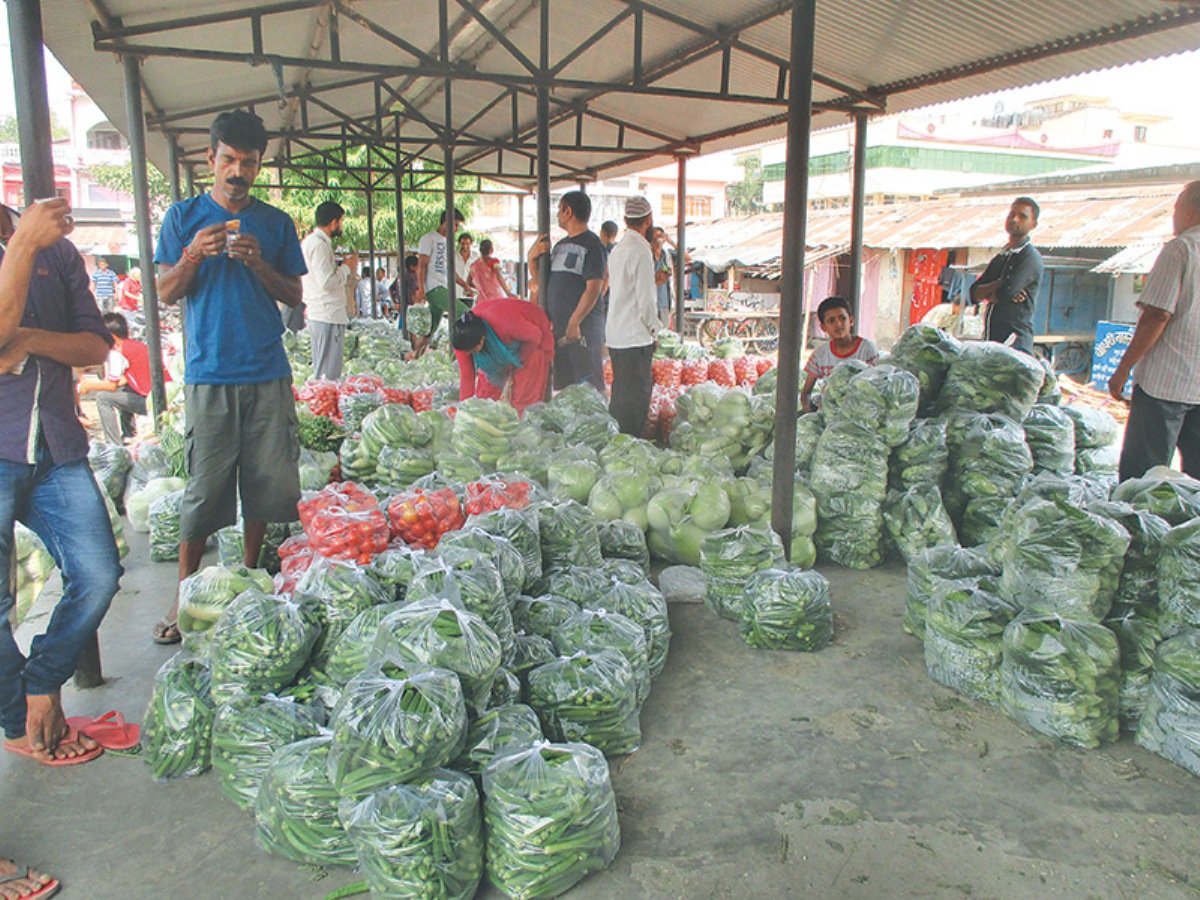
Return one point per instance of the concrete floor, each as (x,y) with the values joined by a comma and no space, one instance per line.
(846,773)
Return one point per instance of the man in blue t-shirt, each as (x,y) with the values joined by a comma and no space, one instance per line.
(233,257)
(578,264)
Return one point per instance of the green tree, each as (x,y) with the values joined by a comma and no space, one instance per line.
(746,197)
(120,178)
(9,133)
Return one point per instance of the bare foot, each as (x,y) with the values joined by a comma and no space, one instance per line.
(20,887)
(46,729)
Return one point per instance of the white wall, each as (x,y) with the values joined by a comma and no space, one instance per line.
(1124,300)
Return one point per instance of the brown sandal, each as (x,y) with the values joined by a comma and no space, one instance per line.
(165,632)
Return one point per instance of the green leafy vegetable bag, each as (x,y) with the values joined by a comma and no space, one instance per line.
(964,633)
(297,807)
(1062,678)
(392,723)
(1164,492)
(926,570)
(1137,637)
(569,535)
(916,520)
(176,730)
(422,840)
(1170,723)
(1050,435)
(621,539)
(551,818)
(927,353)
(990,378)
(1060,560)
(245,738)
(787,609)
(1179,579)
(260,644)
(921,460)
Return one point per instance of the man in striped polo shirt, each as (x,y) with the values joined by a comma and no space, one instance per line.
(1164,411)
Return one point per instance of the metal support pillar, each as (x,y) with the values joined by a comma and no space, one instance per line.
(401,253)
(33,104)
(680,238)
(173,169)
(543,151)
(189,180)
(371,235)
(857,202)
(791,299)
(522,274)
(448,179)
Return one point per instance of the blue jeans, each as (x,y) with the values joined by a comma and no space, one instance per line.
(62,506)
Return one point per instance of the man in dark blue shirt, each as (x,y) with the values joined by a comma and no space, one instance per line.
(49,323)
(233,257)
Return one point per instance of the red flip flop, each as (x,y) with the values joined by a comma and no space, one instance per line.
(110,730)
(72,737)
(48,889)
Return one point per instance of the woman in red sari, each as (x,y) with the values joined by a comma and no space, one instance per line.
(504,349)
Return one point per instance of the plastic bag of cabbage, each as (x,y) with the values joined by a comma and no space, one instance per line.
(990,378)
(964,631)
(787,609)
(205,595)
(1164,492)
(624,494)
(681,515)
(589,696)
(728,558)
(33,570)
(880,399)
(111,464)
(1060,560)
(1170,723)
(393,722)
(916,520)
(988,458)
(177,726)
(716,422)
(422,839)
(926,570)
(296,812)
(1062,678)
(260,643)
(921,460)
(551,818)
(246,736)
(1050,434)
(1179,579)
(927,353)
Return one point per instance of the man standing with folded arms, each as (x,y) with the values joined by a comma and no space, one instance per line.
(233,256)
(49,323)
(632,324)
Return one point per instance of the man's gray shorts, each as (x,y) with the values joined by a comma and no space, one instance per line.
(240,438)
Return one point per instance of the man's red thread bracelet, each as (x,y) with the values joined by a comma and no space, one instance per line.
(198,258)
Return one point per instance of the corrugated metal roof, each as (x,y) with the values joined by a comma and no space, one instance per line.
(917,53)
(1109,217)
(1137,259)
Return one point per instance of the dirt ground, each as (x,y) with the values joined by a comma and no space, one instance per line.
(846,773)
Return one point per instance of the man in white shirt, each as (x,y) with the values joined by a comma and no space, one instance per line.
(325,291)
(1164,411)
(466,257)
(632,322)
(432,266)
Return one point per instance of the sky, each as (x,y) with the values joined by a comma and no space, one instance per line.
(1162,87)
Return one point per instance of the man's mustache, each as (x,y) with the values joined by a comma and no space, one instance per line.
(239,182)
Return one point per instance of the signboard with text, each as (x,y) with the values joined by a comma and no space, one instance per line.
(1111,340)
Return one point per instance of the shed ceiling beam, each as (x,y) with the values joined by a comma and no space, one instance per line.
(117,31)
(490,27)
